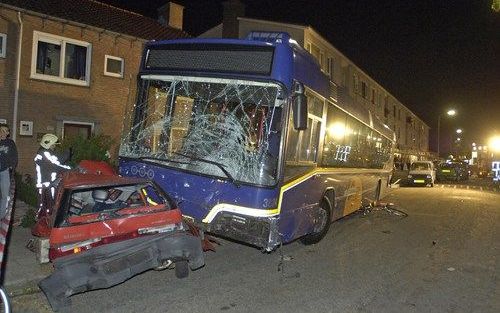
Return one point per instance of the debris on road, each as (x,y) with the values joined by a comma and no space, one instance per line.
(382,206)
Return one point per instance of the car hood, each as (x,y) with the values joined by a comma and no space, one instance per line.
(421,172)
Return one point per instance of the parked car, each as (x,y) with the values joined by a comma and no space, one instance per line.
(452,171)
(421,173)
(104,229)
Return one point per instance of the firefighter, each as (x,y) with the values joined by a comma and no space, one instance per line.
(47,165)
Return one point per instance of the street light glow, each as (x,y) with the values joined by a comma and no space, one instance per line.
(494,144)
(451,112)
(459,131)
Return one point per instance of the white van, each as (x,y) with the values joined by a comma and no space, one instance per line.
(422,173)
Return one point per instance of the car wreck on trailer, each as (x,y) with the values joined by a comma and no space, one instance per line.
(103,230)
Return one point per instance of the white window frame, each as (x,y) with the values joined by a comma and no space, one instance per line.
(330,67)
(3,48)
(62,41)
(120,75)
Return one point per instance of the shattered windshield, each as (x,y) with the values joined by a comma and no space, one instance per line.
(224,128)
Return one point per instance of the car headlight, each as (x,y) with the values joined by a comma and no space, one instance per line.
(409,176)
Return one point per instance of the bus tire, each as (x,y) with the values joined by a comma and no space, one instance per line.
(316,237)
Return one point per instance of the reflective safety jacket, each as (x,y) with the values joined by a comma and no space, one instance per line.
(47,166)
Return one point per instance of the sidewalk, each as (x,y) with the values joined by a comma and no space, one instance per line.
(22,270)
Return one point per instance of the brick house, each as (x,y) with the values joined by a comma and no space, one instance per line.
(70,67)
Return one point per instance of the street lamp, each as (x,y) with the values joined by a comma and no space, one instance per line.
(459,131)
(495,144)
(449,113)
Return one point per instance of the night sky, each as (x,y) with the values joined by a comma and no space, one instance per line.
(431,55)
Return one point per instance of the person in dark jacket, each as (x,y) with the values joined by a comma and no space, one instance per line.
(8,162)
(47,166)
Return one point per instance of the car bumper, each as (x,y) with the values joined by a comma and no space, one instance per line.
(111,264)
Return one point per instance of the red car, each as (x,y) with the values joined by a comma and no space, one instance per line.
(104,229)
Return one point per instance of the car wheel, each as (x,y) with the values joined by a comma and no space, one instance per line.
(181,269)
(322,228)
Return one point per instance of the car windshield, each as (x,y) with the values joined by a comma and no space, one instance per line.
(417,166)
(106,202)
(223,128)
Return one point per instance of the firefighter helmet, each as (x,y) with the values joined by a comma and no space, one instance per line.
(48,140)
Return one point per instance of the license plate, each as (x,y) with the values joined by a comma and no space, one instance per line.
(419,181)
(445,171)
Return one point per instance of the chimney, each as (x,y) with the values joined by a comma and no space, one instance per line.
(171,14)
(232,10)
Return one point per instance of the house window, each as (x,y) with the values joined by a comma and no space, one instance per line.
(330,68)
(3,45)
(77,129)
(60,59)
(308,47)
(363,90)
(321,60)
(373,96)
(113,66)
(317,54)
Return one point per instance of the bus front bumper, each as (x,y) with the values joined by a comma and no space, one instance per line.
(258,231)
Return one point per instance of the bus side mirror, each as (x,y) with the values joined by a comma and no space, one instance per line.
(299,107)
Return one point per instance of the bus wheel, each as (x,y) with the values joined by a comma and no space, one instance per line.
(322,228)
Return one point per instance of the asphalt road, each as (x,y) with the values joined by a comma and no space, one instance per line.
(443,257)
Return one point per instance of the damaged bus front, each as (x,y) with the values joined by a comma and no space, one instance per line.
(233,131)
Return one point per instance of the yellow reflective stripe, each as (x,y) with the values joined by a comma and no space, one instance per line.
(292,184)
(267,212)
(226,207)
(148,199)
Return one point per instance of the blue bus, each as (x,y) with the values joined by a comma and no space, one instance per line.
(250,140)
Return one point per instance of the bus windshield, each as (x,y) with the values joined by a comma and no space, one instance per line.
(228,129)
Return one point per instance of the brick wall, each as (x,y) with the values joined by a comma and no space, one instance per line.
(48,104)
(8,26)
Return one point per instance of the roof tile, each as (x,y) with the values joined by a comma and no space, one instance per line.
(97,14)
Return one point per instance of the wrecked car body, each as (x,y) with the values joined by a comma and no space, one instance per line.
(106,229)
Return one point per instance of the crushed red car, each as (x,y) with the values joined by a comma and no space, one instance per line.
(105,229)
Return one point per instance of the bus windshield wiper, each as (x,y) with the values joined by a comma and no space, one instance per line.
(220,166)
(162,160)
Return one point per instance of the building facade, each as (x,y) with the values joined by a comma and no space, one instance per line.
(70,67)
(353,85)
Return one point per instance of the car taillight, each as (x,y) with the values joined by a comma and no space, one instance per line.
(161,229)
(77,246)
(72,248)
